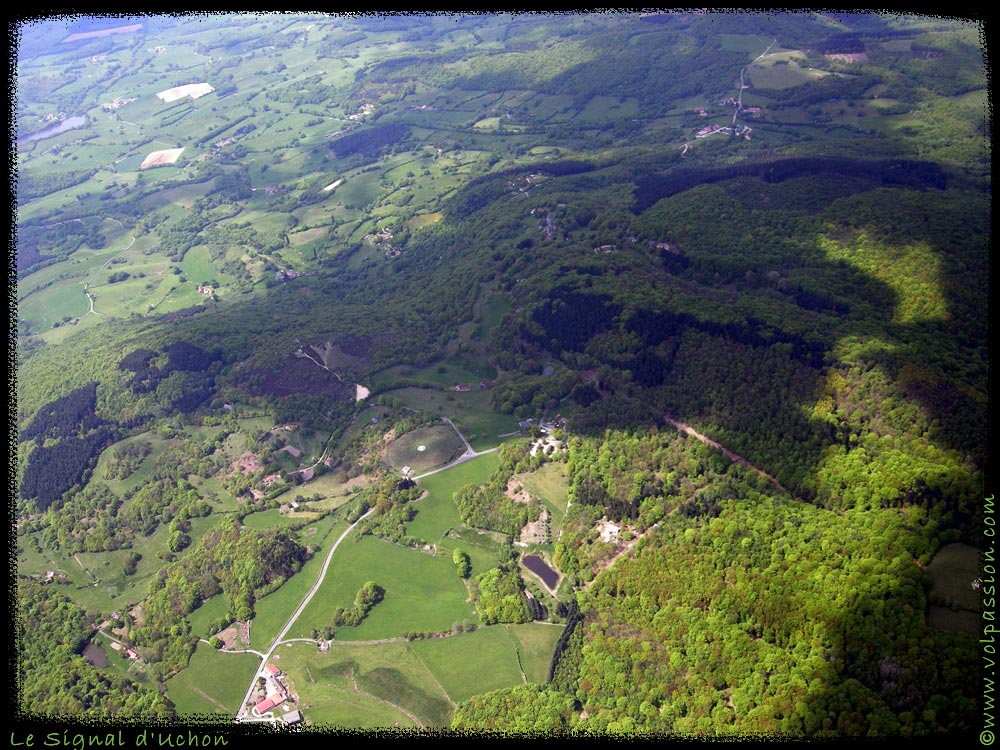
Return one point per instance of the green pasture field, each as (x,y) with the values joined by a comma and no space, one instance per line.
(469,410)
(180,56)
(366,255)
(483,547)
(464,99)
(545,107)
(63,299)
(272,612)
(317,214)
(472,663)
(548,484)
(301,238)
(766,75)
(213,683)
(266,519)
(440,445)
(536,642)
(488,123)
(359,190)
(422,591)
(310,442)
(437,513)
(214,609)
(197,266)
(142,474)
(604,108)
(182,195)
(445,373)
(390,683)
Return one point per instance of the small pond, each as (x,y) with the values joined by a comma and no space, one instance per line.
(537,566)
(96,655)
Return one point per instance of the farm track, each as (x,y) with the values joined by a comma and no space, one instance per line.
(734,457)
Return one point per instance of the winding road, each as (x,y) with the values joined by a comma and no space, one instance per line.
(244,714)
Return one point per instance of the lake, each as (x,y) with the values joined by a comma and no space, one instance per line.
(60,127)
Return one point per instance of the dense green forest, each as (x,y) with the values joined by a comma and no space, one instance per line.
(710,288)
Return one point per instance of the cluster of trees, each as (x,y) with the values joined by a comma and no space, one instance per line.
(37,184)
(911,173)
(487,506)
(54,680)
(367,597)
(41,245)
(67,437)
(391,502)
(499,596)
(369,141)
(229,559)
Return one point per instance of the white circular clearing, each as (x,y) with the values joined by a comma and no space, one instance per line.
(421,447)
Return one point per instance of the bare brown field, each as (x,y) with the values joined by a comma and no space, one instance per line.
(160,158)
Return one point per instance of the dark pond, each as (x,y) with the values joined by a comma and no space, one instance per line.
(96,655)
(537,566)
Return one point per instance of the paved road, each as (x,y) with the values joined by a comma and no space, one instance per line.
(469,453)
(243,713)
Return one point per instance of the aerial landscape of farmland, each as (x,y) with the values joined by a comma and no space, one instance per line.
(589,374)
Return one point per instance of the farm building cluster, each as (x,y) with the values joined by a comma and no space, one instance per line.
(272,693)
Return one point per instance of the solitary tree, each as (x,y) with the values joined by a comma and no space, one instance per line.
(462,562)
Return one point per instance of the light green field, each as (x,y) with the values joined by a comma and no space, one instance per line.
(488,123)
(213,683)
(766,75)
(536,642)
(437,513)
(548,484)
(197,266)
(472,663)
(214,609)
(157,444)
(301,238)
(364,687)
(604,108)
(422,592)
(469,410)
